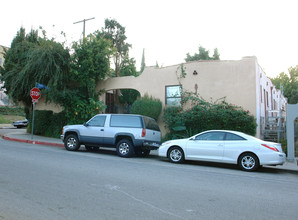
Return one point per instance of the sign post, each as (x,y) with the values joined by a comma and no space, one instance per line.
(35,95)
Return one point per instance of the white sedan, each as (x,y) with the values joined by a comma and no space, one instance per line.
(224,147)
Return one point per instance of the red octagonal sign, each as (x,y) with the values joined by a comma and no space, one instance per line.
(35,94)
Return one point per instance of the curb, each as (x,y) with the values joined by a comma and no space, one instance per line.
(32,141)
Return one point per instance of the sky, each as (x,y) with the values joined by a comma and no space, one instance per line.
(169,29)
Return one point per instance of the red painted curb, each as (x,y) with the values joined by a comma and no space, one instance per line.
(32,141)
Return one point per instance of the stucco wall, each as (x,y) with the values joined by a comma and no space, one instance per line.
(42,105)
(234,80)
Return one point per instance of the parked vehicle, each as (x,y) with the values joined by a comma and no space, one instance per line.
(20,124)
(129,134)
(225,147)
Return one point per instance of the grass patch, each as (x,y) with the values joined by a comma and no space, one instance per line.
(8,119)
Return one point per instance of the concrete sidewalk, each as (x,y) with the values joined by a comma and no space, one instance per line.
(20,135)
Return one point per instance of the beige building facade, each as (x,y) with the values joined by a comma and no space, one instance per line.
(240,82)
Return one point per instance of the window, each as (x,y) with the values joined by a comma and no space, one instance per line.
(233,137)
(211,136)
(173,95)
(261,89)
(151,124)
(126,121)
(97,121)
(267,100)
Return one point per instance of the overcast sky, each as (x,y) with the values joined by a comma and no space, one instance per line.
(169,29)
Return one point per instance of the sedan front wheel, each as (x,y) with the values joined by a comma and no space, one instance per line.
(176,155)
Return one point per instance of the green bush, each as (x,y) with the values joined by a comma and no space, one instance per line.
(147,106)
(204,116)
(55,127)
(47,123)
(4,110)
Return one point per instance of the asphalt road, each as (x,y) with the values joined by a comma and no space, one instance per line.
(42,182)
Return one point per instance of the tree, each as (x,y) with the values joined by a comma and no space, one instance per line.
(202,55)
(89,64)
(128,67)
(72,79)
(114,32)
(290,84)
(17,79)
(48,63)
(143,64)
(32,59)
(216,54)
(128,96)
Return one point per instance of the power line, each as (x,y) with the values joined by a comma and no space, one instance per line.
(84,21)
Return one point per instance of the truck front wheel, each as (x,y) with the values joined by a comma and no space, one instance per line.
(71,142)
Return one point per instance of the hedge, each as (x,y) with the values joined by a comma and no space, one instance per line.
(47,123)
(204,116)
(147,106)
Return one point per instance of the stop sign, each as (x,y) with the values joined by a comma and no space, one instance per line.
(35,94)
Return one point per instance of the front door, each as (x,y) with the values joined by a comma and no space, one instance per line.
(94,130)
(207,146)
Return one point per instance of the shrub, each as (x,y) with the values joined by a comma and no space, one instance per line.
(147,106)
(5,110)
(42,120)
(55,127)
(204,116)
(47,123)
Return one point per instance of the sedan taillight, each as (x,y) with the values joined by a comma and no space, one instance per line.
(271,148)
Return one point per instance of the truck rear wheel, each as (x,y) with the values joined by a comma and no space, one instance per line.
(125,148)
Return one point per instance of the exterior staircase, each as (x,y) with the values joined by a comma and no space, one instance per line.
(274,126)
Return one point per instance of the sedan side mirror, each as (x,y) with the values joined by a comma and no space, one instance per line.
(86,124)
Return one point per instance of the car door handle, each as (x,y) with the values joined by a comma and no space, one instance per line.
(102,129)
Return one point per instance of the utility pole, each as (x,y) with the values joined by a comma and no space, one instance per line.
(84,24)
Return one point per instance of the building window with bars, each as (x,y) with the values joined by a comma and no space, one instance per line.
(173,95)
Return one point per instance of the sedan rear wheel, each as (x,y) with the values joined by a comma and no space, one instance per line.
(248,162)
(176,155)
